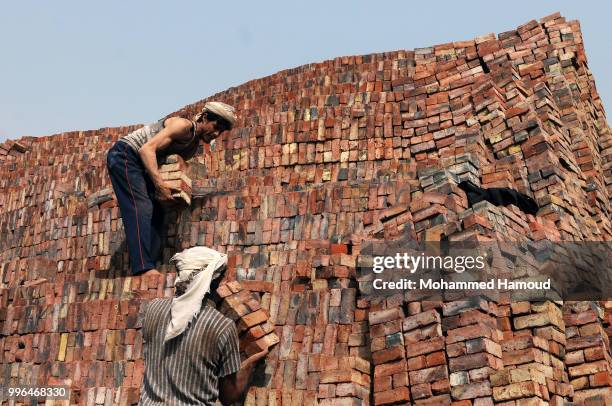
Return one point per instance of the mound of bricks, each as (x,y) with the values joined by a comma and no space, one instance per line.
(10,150)
(321,380)
(325,160)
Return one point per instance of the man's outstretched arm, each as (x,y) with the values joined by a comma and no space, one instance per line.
(233,387)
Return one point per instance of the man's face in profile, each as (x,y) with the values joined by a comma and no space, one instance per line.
(181,287)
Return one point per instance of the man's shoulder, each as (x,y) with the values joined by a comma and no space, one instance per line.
(178,123)
(160,302)
(210,314)
(153,316)
(158,305)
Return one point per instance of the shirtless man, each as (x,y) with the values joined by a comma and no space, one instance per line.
(132,165)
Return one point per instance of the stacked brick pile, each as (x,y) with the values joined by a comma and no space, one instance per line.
(388,356)
(324,159)
(339,381)
(472,344)
(532,354)
(426,356)
(587,350)
(10,150)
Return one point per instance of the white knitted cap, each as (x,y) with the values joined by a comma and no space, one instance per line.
(222,110)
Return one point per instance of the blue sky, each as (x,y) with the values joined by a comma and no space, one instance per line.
(76,65)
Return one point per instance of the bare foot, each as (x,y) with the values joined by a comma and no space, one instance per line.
(151,272)
(149,279)
(153,278)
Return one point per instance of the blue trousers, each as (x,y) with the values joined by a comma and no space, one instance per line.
(141,214)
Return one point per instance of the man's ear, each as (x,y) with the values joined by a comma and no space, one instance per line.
(214,284)
(204,116)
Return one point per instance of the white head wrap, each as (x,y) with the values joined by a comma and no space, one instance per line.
(187,306)
(221,109)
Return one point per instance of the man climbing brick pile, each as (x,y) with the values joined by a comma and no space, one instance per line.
(140,187)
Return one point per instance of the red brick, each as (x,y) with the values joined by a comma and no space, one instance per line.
(392,396)
(384,356)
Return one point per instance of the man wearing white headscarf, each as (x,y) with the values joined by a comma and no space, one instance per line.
(138,185)
(191,350)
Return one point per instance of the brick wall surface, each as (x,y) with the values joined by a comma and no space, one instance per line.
(325,157)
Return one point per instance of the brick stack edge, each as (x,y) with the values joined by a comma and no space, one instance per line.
(326,157)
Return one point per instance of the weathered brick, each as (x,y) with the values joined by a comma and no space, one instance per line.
(424,347)
(392,396)
(428,375)
(516,391)
(471,391)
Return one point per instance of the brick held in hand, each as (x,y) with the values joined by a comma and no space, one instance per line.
(257,286)
(242,306)
(263,343)
(183,196)
(267,327)
(174,162)
(235,286)
(251,319)
(234,305)
(173,172)
(175,175)
(234,312)
(254,333)
(224,291)
(253,304)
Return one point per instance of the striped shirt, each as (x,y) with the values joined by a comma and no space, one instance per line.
(186,370)
(139,137)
